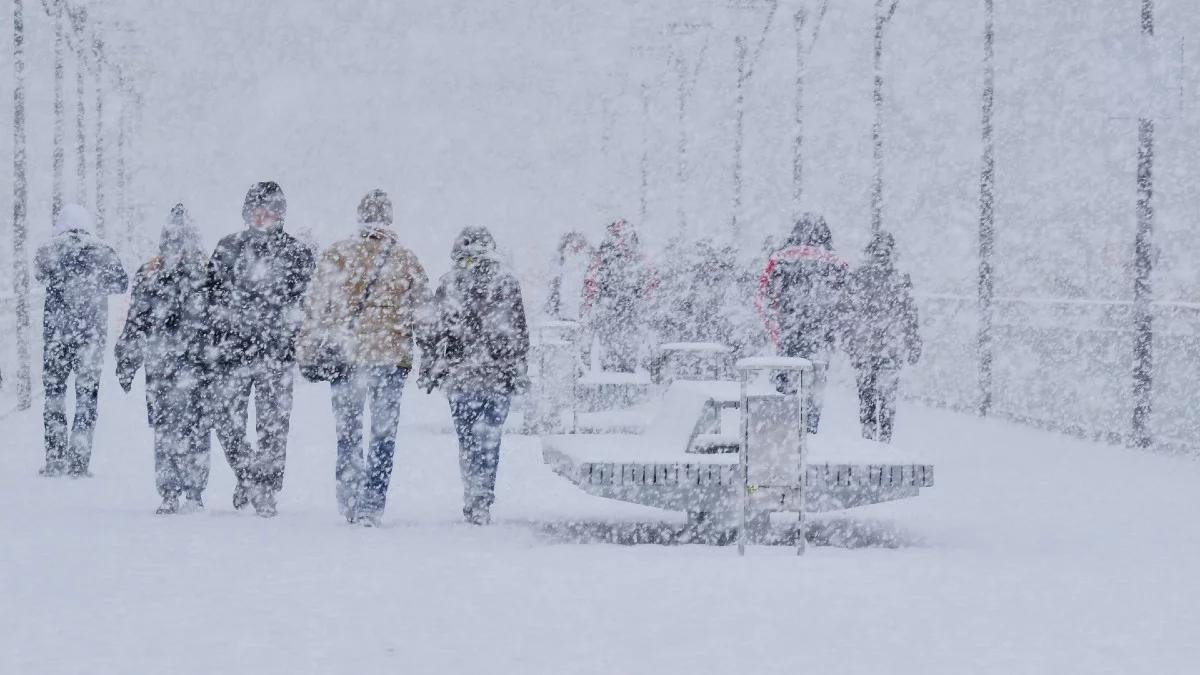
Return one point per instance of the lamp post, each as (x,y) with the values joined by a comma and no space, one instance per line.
(59,112)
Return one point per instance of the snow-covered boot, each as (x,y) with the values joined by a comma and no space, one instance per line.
(169,506)
(369,518)
(241,496)
(264,502)
(53,468)
(193,501)
(476,512)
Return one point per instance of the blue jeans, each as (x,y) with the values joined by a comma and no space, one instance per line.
(479,421)
(362,482)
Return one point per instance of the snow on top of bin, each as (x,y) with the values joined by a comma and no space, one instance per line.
(607,377)
(695,347)
(773,363)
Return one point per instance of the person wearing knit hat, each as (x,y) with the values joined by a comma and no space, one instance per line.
(79,272)
(257,279)
(360,319)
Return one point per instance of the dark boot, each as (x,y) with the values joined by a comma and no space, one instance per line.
(477,512)
(193,501)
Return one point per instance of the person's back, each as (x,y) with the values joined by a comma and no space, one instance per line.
(79,272)
(803,291)
(881,335)
(258,280)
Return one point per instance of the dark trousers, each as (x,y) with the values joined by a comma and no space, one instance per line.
(178,411)
(878,384)
(70,450)
(479,422)
(362,481)
(271,384)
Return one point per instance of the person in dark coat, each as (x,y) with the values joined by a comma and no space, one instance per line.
(803,302)
(882,336)
(616,290)
(167,331)
(257,280)
(79,272)
(476,349)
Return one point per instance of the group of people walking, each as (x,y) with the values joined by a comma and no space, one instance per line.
(809,301)
(210,332)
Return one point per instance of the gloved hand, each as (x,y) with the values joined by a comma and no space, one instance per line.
(126,381)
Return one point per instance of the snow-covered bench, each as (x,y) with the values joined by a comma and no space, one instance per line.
(685,462)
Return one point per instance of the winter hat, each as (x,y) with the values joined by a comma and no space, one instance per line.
(881,246)
(179,235)
(266,194)
(72,217)
(375,209)
(811,230)
(473,242)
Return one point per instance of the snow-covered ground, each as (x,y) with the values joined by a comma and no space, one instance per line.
(1034,553)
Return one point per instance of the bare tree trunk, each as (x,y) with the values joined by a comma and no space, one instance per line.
(20,197)
(987,179)
(681,146)
(80,131)
(738,136)
(122,203)
(645,163)
(881,20)
(59,111)
(98,47)
(803,50)
(1143,266)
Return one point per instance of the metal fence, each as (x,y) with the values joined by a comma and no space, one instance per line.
(1065,365)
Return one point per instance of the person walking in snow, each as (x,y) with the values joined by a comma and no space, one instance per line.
(360,318)
(802,300)
(257,279)
(167,333)
(476,350)
(882,335)
(570,270)
(79,272)
(616,289)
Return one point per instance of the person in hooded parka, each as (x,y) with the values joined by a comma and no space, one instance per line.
(79,272)
(367,298)
(803,301)
(882,335)
(616,293)
(167,333)
(570,270)
(258,278)
(476,349)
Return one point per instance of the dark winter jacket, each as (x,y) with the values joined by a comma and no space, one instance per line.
(570,271)
(803,291)
(258,280)
(167,328)
(883,327)
(618,282)
(699,312)
(79,272)
(479,339)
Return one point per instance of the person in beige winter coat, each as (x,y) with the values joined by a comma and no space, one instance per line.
(364,304)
